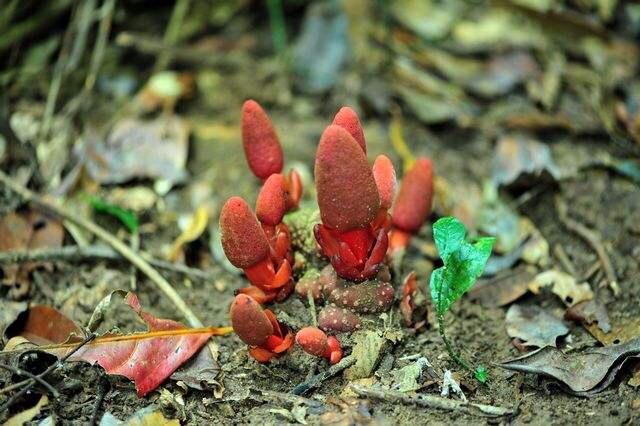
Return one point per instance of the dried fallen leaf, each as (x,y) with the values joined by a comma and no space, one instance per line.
(43,325)
(534,326)
(27,415)
(146,416)
(583,374)
(503,289)
(196,226)
(140,149)
(146,358)
(26,230)
(518,158)
(562,285)
(9,312)
(621,332)
(590,312)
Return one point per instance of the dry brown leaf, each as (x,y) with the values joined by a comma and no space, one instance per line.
(562,285)
(534,326)
(26,230)
(504,288)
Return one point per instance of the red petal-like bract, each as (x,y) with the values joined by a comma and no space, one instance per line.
(271,204)
(413,204)
(148,362)
(385,176)
(347,192)
(249,321)
(243,239)
(348,120)
(260,141)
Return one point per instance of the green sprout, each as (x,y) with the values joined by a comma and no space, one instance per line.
(463,264)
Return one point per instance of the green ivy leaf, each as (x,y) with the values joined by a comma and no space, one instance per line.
(126,217)
(463,262)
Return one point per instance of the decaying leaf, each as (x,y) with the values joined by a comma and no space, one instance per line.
(9,312)
(195,227)
(620,332)
(26,230)
(591,312)
(368,349)
(408,378)
(28,414)
(504,288)
(518,157)
(140,149)
(200,372)
(562,285)
(146,416)
(585,373)
(534,325)
(147,358)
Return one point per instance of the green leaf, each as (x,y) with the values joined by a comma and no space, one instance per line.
(481,374)
(463,262)
(126,217)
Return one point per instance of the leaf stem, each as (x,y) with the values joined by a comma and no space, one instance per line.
(455,355)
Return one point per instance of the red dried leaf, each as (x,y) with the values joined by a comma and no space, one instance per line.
(243,239)
(271,204)
(413,204)
(146,358)
(260,141)
(347,192)
(348,120)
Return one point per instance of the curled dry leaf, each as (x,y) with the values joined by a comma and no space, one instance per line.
(44,325)
(140,149)
(26,230)
(583,374)
(518,158)
(195,228)
(562,285)
(590,313)
(534,325)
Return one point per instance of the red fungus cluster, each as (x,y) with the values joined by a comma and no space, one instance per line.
(357,235)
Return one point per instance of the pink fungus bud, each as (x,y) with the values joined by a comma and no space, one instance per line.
(348,120)
(249,321)
(413,204)
(347,192)
(272,200)
(243,239)
(261,146)
(334,319)
(385,176)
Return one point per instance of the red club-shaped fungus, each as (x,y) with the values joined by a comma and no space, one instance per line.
(259,329)
(348,120)
(247,246)
(315,342)
(261,145)
(413,204)
(352,234)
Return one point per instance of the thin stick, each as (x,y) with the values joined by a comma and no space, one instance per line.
(52,367)
(432,401)
(318,379)
(38,379)
(133,257)
(562,256)
(593,239)
(78,253)
(102,392)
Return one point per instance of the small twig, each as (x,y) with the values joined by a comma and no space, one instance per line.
(432,401)
(172,33)
(29,384)
(38,379)
(593,239)
(312,307)
(562,256)
(318,379)
(103,388)
(592,270)
(292,399)
(126,252)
